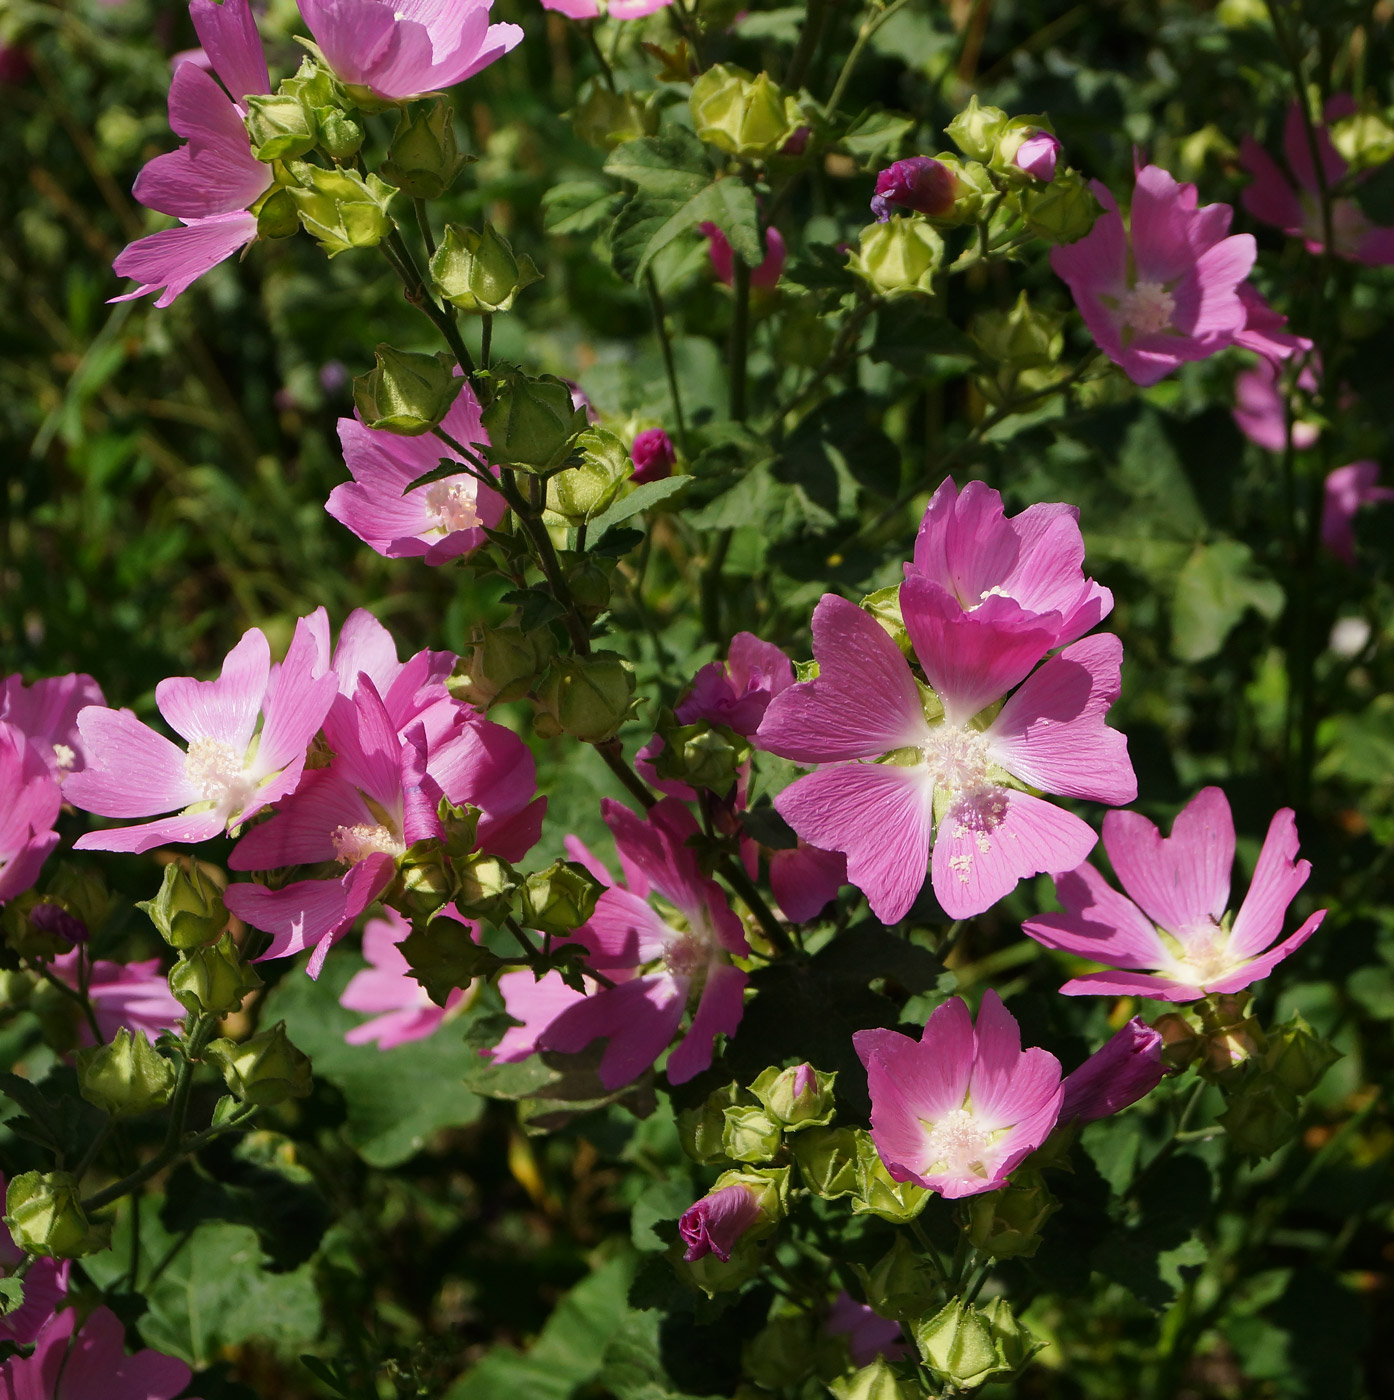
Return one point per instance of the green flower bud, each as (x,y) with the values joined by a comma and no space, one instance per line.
(425,882)
(1365,138)
(749,1258)
(964,1346)
(502,665)
(1262,1114)
(977,130)
(342,208)
(742,115)
(749,1134)
(16,987)
(1181,1042)
(560,899)
(702,755)
(901,1285)
(606,119)
(587,697)
(702,1130)
(264,1070)
(213,981)
(339,135)
(580,493)
(277,214)
(479,272)
(797,1098)
(315,87)
(827,1160)
(485,887)
(878,1381)
(781,1353)
(878,1193)
(1232,1037)
(443,955)
(1022,337)
(424,159)
(973,188)
(771,1186)
(280,125)
(461,828)
(406,393)
(532,422)
(1062,211)
(899,257)
(189,910)
(44,1213)
(589,581)
(1297,1056)
(1007,1223)
(127,1077)
(884,606)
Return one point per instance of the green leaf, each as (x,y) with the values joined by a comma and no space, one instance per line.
(578,206)
(876,137)
(641,498)
(1217,585)
(672,165)
(635,1360)
(650,222)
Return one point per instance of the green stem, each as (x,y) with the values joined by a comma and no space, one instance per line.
(72,995)
(711,585)
(740,336)
(423,222)
(660,323)
(606,72)
(528,946)
(486,339)
(815,22)
(734,875)
(613,754)
(870,25)
(414,288)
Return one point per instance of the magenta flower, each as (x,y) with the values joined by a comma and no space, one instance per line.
(673,965)
(212,180)
(1164,288)
(1346,490)
(1172,939)
(652,455)
(868,1334)
(1265,330)
(534,1002)
(135,995)
(1038,155)
(906,777)
(715,1224)
(403,1011)
(247,734)
(437,522)
(90,1363)
(31,805)
(1125,1069)
(45,1286)
(46,714)
(1294,204)
(805,880)
(920,183)
(1261,409)
(401,49)
(723,259)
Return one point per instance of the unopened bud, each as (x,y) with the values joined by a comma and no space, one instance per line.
(425,882)
(878,1192)
(342,208)
(588,579)
(1181,1041)
(485,887)
(1062,211)
(921,185)
(1297,1056)
(587,697)
(280,126)
(1262,1114)
(424,159)
(965,1346)
(1232,1036)
(1023,337)
(703,754)
(702,1130)
(461,828)
(652,455)
(406,393)
(443,956)
(827,1161)
(44,1213)
(1028,150)
(1364,139)
(277,215)
(742,114)
(1006,1223)
(532,422)
(899,257)
(339,135)
(39,927)
(605,118)
(263,1070)
(479,272)
(901,1285)
(797,1098)
(977,130)
(126,1077)
(189,910)
(502,665)
(749,1134)
(879,1381)
(580,493)
(214,980)
(559,899)
(82,895)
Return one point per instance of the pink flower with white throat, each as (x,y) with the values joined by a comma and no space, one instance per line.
(1163,288)
(247,734)
(400,1008)
(401,49)
(1171,937)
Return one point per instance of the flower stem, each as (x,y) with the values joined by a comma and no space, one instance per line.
(660,323)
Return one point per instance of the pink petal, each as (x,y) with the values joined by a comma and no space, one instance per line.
(365,647)
(513,836)
(718,1013)
(965,543)
(183,829)
(536,1003)
(1098,923)
(639,1018)
(1010,1086)
(1131,984)
(225,709)
(486,766)
(354,37)
(654,852)
(623,932)
(577,850)
(169,262)
(132,771)
(1270,197)
(1277,879)
(1262,965)
(1160,224)
(1298,149)
(367,750)
(805,881)
(1207,298)
(228,33)
(301,831)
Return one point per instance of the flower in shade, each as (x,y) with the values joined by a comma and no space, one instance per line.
(135,995)
(667,962)
(90,1363)
(1127,1067)
(436,522)
(1293,204)
(1170,937)
(400,1007)
(213,179)
(868,1334)
(46,714)
(401,49)
(1038,155)
(714,1224)
(921,183)
(247,734)
(1265,330)
(905,777)
(31,805)
(1346,490)
(1163,288)
(723,259)
(652,455)
(45,1286)
(1261,409)
(615,9)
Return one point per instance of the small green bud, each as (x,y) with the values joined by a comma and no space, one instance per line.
(502,665)
(316,87)
(884,606)
(1062,211)
(606,119)
(703,754)
(876,1382)
(1022,337)
(559,899)
(827,1159)
(1297,1056)
(965,1346)
(1007,1223)
(263,1070)
(277,215)
(406,393)
(280,126)
(424,158)
(901,1285)
(749,1135)
(742,115)
(771,1185)
(749,1258)
(702,1130)
(899,257)
(189,910)
(587,697)
(44,1213)
(781,1353)
(797,1098)
(425,882)
(461,828)
(443,955)
(977,130)
(1182,1043)
(213,981)
(878,1192)
(532,422)
(1364,139)
(1262,1114)
(485,887)
(589,582)
(126,1077)
(1233,1037)
(579,494)
(339,135)
(16,987)
(342,208)
(479,272)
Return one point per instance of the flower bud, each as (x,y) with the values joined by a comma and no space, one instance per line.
(605,119)
(1232,1036)
(479,272)
(315,87)
(1297,1056)
(703,754)
(781,1353)
(461,828)
(43,1211)
(1126,1068)
(443,956)
(1181,1042)
(702,1130)
(977,130)
(581,493)
(81,896)
(406,393)
(39,927)
(797,1098)
(827,1160)
(899,257)
(1364,138)
(878,1192)
(342,208)
(502,664)
(964,1346)
(16,987)
(263,1070)
(730,1225)
(749,1134)
(1061,212)
(714,1224)
(213,981)
(424,159)
(921,184)
(901,1285)
(1028,150)
(126,1077)
(189,910)
(1023,337)
(588,578)
(485,887)
(277,214)
(652,456)
(1007,1223)
(280,126)
(587,697)
(878,1381)
(1262,1114)
(339,135)
(425,882)
(559,899)
(532,422)
(742,115)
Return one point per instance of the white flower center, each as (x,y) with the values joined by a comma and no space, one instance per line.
(1148,307)
(64,756)
(1204,956)
(453,505)
(958,759)
(957,1144)
(687,954)
(354,843)
(214,767)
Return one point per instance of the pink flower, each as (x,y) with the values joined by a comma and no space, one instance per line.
(869,1335)
(386,986)
(1346,490)
(1164,288)
(1261,409)
(1295,208)
(45,1286)
(247,734)
(1038,156)
(905,776)
(211,181)
(1126,1068)
(135,995)
(616,9)
(715,1224)
(652,455)
(46,714)
(534,1002)
(31,804)
(805,880)
(920,183)
(640,1016)
(437,522)
(723,264)
(401,49)
(1265,330)
(1172,940)
(91,1365)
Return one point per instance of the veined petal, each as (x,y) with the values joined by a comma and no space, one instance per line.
(171,261)
(225,709)
(1277,879)
(132,771)
(718,1013)
(1098,923)
(228,32)
(639,1018)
